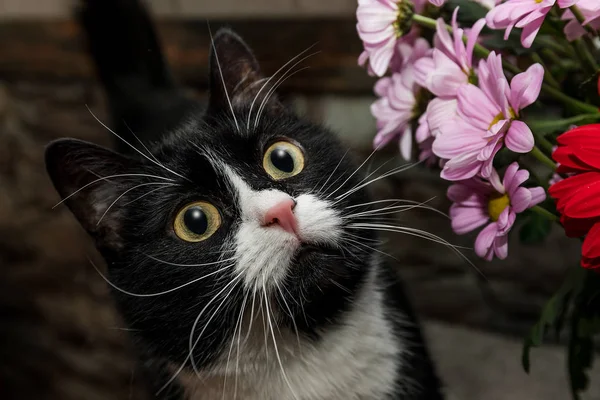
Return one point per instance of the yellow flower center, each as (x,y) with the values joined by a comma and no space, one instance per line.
(501,116)
(496,119)
(406,10)
(538,1)
(497,204)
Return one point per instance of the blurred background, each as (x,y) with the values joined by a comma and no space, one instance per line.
(59,335)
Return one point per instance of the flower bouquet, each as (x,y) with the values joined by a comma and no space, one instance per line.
(502,97)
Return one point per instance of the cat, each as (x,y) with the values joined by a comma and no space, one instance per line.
(234,233)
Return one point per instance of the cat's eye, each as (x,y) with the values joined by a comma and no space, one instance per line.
(283,160)
(197,221)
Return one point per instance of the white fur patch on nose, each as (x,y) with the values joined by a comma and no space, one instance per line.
(264,252)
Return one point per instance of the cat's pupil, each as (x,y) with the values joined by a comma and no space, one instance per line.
(282,160)
(195,220)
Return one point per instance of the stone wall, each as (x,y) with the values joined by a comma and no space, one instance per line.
(504,296)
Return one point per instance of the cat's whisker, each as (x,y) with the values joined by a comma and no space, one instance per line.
(353,173)
(158,293)
(332,172)
(193,343)
(393,209)
(106,178)
(281,80)
(191,265)
(358,187)
(239,335)
(251,318)
(405,229)
(140,142)
(264,322)
(129,190)
(285,377)
(420,234)
(212,44)
(396,201)
(336,283)
(369,248)
(135,148)
(290,313)
(146,194)
(370,174)
(362,238)
(192,347)
(233,341)
(269,80)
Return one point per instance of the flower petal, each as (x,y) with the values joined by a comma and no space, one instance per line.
(585,202)
(519,137)
(566,189)
(406,144)
(485,239)
(520,200)
(538,194)
(462,167)
(439,113)
(525,87)
(501,247)
(591,244)
(530,32)
(467,219)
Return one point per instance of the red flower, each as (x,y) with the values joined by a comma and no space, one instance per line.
(578,196)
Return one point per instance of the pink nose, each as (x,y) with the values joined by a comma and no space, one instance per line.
(282,214)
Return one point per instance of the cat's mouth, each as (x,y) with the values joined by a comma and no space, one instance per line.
(309,250)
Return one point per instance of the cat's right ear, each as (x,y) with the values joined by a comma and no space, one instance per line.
(89,178)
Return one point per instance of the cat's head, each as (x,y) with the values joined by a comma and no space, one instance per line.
(231,212)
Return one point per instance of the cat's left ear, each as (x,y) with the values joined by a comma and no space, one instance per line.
(235,75)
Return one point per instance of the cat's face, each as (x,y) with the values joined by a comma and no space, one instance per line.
(227,216)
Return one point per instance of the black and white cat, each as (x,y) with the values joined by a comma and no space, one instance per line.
(232,241)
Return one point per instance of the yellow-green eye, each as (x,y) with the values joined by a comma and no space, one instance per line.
(283,160)
(197,221)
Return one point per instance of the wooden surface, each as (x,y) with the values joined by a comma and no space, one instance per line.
(55,50)
(194,8)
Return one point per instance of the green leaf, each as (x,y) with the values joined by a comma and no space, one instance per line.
(535,230)
(495,40)
(470,11)
(580,357)
(545,126)
(553,313)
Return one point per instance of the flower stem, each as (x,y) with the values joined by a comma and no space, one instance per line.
(541,157)
(565,121)
(585,55)
(557,94)
(581,18)
(547,75)
(543,212)
(542,142)
(482,52)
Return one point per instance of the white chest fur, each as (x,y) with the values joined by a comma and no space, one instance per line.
(358,359)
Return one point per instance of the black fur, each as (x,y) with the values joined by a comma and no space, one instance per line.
(137,230)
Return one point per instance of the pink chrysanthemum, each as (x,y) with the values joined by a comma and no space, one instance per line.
(477,202)
(398,102)
(451,63)
(526,14)
(590,10)
(439,111)
(488,3)
(487,119)
(381,25)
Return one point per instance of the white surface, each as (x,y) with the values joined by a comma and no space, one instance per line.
(482,366)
